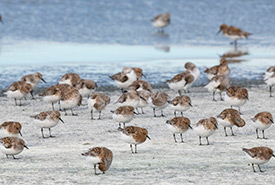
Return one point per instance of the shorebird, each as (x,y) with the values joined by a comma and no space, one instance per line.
(100,156)
(33,79)
(143,101)
(158,101)
(129,99)
(186,79)
(221,69)
(262,121)
(97,102)
(161,21)
(70,100)
(10,128)
(52,95)
(138,71)
(18,90)
(48,120)
(229,118)
(178,125)
(269,78)
(140,85)
(180,103)
(205,128)
(70,79)
(125,78)
(134,136)
(12,146)
(236,96)
(258,155)
(123,114)
(86,87)
(233,32)
(218,83)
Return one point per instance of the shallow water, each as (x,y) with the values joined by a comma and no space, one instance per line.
(98,38)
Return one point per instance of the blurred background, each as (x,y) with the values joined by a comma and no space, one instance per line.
(90,36)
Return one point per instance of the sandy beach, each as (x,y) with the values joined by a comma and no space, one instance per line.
(158,161)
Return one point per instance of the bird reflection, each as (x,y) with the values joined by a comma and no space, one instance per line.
(164,48)
(234,56)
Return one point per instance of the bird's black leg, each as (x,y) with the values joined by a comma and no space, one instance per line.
(181,138)
(162,115)
(232,133)
(92,116)
(221,96)
(32,95)
(135,148)
(15,101)
(225,131)
(179,91)
(65,112)
(52,106)
(175,113)
(7,156)
(257,134)
(181,114)
(154,110)
(200,140)
(142,111)
(174,135)
(99,115)
(207,140)
(42,133)
(270,90)
(95,170)
(50,132)
(73,113)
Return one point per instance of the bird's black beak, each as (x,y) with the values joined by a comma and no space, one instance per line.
(43,80)
(20,133)
(271,121)
(190,105)
(190,127)
(219,32)
(26,146)
(148,137)
(61,120)
(135,113)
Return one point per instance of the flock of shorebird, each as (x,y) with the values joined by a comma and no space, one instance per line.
(137,94)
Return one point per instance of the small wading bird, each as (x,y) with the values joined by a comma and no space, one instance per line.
(258,155)
(134,136)
(161,21)
(233,32)
(100,156)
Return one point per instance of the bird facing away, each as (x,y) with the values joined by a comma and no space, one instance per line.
(262,121)
(161,21)
(134,136)
(178,125)
(269,78)
(229,118)
(18,90)
(221,69)
(236,96)
(10,128)
(70,79)
(158,101)
(86,87)
(100,156)
(97,102)
(233,32)
(258,155)
(12,146)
